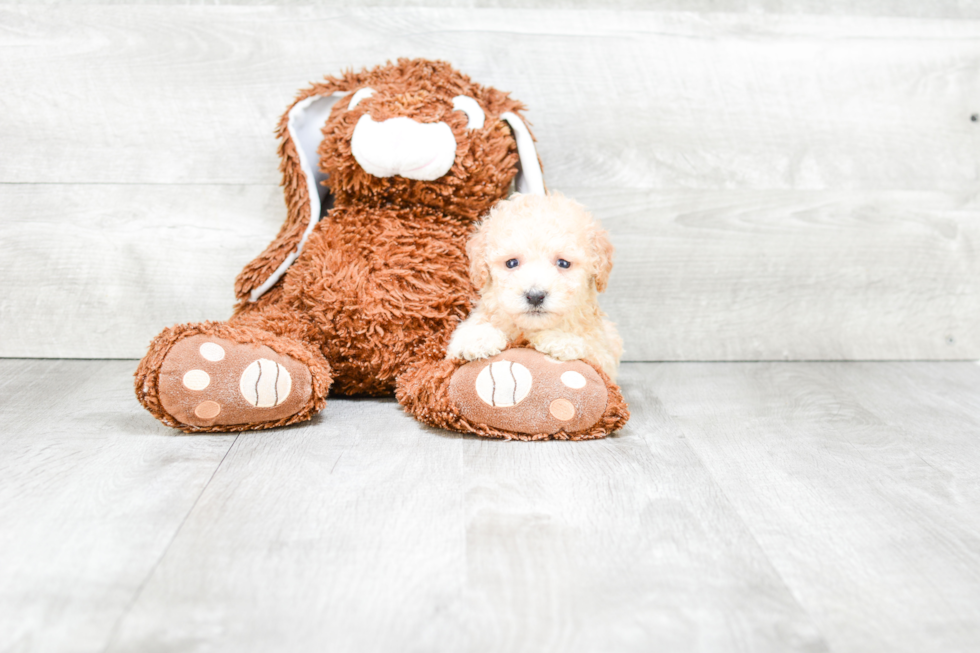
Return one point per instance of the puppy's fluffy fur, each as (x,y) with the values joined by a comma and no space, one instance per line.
(518,261)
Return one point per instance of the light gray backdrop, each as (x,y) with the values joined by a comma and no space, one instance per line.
(778,186)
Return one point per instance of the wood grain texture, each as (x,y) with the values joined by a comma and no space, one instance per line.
(91,494)
(95,271)
(343,534)
(761,507)
(643,100)
(860,483)
(621,545)
(365,532)
(723,275)
(906,8)
(804,275)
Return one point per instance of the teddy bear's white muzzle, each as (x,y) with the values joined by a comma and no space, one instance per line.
(403,147)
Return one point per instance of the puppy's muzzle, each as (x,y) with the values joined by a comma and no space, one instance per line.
(535,298)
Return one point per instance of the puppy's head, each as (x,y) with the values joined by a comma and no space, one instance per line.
(537,259)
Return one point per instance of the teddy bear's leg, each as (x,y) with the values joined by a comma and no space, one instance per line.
(519,394)
(216,376)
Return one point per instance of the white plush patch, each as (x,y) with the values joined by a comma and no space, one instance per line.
(503,384)
(529,179)
(573,380)
(305,126)
(473,111)
(212,351)
(400,146)
(265,383)
(196,380)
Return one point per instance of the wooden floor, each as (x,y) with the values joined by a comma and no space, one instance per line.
(747,507)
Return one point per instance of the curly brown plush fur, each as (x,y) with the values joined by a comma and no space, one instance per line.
(382,281)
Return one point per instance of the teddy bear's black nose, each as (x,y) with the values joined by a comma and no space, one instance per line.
(535,297)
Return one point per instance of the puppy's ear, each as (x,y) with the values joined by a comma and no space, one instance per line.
(476,250)
(603,252)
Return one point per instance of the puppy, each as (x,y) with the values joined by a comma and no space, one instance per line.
(540,262)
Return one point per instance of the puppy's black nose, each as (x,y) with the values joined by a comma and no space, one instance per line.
(535,297)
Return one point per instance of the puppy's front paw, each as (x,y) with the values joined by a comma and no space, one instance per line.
(564,347)
(472,342)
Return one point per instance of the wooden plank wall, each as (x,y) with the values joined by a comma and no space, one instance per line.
(797,184)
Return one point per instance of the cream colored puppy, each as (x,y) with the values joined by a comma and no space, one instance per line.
(540,262)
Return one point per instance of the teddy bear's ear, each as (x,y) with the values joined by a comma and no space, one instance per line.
(305,127)
(300,134)
(529,179)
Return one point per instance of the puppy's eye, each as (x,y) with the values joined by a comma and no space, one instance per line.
(472,110)
(562,263)
(360,95)
(512,263)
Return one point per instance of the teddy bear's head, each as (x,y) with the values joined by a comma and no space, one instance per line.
(418,132)
(410,134)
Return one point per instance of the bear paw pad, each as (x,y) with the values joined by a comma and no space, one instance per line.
(525,392)
(207,381)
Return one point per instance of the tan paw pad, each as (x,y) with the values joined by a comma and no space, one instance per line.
(562,409)
(208,410)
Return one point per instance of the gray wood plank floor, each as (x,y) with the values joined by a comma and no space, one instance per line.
(749,506)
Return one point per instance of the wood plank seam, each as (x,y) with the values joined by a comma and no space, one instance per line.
(139,590)
(639,405)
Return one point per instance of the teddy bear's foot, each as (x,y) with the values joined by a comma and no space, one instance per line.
(197,380)
(518,394)
(208,381)
(524,392)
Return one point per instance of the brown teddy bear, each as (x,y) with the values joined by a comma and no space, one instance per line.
(386,172)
